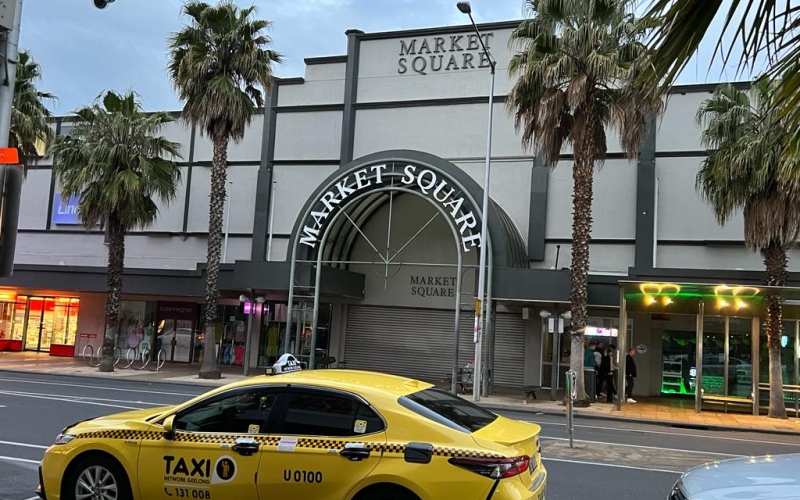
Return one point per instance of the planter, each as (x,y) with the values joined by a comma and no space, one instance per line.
(62,350)
(10,345)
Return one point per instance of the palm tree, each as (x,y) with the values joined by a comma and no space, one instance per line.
(760,33)
(746,170)
(119,167)
(219,66)
(29,114)
(577,72)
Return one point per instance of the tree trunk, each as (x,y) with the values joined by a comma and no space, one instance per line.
(775,261)
(209,369)
(582,175)
(116,265)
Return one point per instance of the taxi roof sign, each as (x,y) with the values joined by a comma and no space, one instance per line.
(9,156)
(287,363)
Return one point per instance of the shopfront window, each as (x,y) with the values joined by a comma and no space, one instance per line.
(679,349)
(274,327)
(65,320)
(18,320)
(598,330)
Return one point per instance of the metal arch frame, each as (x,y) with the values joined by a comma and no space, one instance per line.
(321,249)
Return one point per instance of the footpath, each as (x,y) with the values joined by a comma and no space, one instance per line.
(678,413)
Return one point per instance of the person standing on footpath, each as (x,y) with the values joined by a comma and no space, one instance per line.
(630,375)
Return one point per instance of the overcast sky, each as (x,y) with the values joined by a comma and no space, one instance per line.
(84,51)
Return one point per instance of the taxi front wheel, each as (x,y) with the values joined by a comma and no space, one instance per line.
(98,478)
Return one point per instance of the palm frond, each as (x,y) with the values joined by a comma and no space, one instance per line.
(221,64)
(577,65)
(746,170)
(114,159)
(30,130)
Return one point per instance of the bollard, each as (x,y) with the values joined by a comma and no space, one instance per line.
(572,394)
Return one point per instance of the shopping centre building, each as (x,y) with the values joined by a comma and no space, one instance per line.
(361,185)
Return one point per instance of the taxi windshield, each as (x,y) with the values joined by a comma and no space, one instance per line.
(447,409)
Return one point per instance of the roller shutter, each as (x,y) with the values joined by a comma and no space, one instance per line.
(509,350)
(418,343)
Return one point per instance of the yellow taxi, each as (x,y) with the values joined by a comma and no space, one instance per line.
(317,434)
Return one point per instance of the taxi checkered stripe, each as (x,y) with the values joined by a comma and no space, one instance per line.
(273,441)
(119,434)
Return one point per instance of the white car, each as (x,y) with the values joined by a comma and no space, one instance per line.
(770,477)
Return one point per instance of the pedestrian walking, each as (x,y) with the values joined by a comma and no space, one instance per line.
(630,375)
(608,367)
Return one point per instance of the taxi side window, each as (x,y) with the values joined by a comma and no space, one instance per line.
(315,413)
(244,412)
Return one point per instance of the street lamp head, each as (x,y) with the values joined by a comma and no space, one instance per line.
(102,4)
(464,7)
(243,298)
(544,314)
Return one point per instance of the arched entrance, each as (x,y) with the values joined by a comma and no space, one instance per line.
(395,187)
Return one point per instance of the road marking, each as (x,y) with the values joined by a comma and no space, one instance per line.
(581,462)
(87,398)
(649,447)
(23,460)
(19,380)
(24,445)
(23,395)
(647,431)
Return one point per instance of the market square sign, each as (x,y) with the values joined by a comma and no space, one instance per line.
(429,182)
(435,54)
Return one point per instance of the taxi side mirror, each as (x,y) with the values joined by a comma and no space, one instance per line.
(168,425)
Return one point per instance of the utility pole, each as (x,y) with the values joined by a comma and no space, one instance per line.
(10,20)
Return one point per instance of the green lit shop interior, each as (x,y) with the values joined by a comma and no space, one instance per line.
(712,339)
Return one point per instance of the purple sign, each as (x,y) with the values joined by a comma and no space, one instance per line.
(66,213)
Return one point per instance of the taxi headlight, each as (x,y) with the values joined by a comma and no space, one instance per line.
(64,438)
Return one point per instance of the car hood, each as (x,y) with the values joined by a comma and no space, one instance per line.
(769,477)
(120,419)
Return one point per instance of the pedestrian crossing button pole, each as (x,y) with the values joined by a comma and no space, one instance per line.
(572,395)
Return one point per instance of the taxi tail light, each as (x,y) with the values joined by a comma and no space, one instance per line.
(495,468)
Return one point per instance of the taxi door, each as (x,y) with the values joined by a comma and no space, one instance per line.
(214,452)
(324,443)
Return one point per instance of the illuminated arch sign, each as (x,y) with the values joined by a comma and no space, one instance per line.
(426,180)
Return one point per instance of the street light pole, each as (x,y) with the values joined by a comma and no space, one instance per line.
(480,305)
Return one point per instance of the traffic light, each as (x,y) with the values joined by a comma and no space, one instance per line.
(10,193)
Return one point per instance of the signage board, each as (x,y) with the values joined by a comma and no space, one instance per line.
(65,212)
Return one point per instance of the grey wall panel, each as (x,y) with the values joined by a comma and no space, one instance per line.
(170,216)
(198,199)
(455,131)
(308,136)
(181,132)
(295,184)
(717,257)
(248,149)
(141,251)
(682,214)
(614,206)
(615,258)
(678,130)
(381,78)
(35,200)
(510,187)
(324,84)
(242,197)
(241,201)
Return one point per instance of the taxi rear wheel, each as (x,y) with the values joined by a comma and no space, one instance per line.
(386,492)
(98,478)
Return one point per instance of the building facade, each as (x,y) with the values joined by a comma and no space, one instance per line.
(360,185)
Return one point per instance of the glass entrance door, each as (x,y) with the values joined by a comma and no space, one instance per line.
(40,324)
